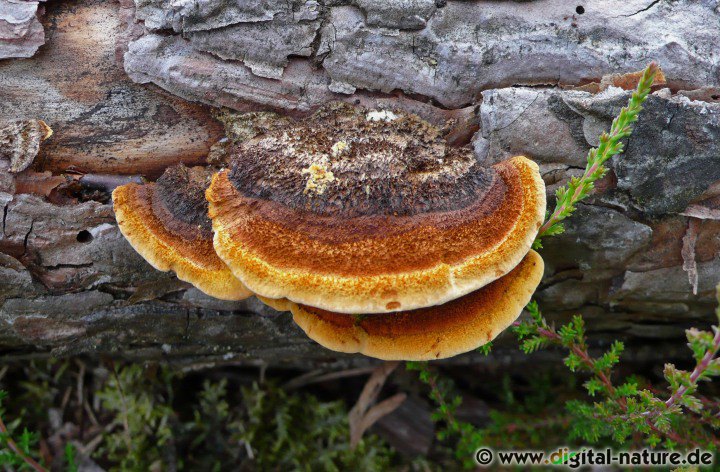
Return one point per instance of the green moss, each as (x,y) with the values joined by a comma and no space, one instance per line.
(151,417)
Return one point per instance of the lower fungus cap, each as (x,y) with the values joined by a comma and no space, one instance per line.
(438,332)
(395,220)
(166,223)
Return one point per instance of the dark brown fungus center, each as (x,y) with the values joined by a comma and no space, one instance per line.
(179,200)
(349,162)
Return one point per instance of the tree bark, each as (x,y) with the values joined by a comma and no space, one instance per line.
(129,91)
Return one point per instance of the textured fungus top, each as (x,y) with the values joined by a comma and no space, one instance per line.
(348,163)
(358,211)
(166,222)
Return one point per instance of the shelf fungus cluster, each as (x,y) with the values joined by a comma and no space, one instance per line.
(166,222)
(376,235)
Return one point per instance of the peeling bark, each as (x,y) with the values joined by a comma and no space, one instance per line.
(20,143)
(70,283)
(688,253)
(448,52)
(21,33)
(103,122)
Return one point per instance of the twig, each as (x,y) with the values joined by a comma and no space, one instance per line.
(108,182)
(126,424)
(317,376)
(80,386)
(361,416)
(374,414)
(90,413)
(302,378)
(89,448)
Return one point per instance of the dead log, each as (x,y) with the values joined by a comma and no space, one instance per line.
(131,91)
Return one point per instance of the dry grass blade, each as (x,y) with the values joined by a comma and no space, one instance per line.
(383,408)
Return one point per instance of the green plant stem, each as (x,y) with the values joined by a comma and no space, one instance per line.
(14,448)
(698,371)
(609,146)
(581,351)
(435,392)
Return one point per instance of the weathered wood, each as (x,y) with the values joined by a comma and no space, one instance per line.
(69,282)
(446,51)
(21,33)
(103,122)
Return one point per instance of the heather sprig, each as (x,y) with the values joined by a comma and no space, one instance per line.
(446,401)
(625,409)
(610,145)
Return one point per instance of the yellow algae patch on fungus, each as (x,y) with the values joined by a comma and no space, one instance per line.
(339,148)
(319,177)
(381,115)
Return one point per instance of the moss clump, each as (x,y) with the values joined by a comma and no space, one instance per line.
(151,417)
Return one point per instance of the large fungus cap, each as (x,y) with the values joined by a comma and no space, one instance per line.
(436,332)
(358,211)
(167,224)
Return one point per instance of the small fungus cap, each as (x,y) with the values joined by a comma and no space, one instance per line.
(20,142)
(438,332)
(358,211)
(166,222)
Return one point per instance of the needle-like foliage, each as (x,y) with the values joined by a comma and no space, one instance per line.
(610,145)
(622,411)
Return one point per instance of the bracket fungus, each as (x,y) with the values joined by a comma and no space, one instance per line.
(435,332)
(166,222)
(378,236)
(397,221)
